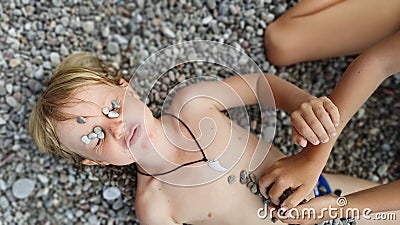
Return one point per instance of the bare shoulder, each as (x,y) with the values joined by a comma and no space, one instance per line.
(193,96)
(152,207)
(220,94)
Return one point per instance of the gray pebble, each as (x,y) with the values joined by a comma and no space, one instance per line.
(23,187)
(94,209)
(11,101)
(34,85)
(254,189)
(64,50)
(117,205)
(81,119)
(39,73)
(59,28)
(168,32)
(93,220)
(211,4)
(111,193)
(2,121)
(121,39)
(270,17)
(198,3)
(105,32)
(374,131)
(231,179)
(4,203)
(56,2)
(382,170)
(373,178)
(55,59)
(3,185)
(9,88)
(206,20)
(113,48)
(253,177)
(43,179)
(64,21)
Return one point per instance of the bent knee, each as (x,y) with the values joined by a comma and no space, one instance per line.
(280,45)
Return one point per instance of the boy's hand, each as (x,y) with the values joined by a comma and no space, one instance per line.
(319,213)
(296,172)
(314,121)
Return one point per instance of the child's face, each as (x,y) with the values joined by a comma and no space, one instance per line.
(118,134)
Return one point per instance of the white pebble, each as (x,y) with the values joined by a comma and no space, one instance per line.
(23,187)
(207,20)
(111,193)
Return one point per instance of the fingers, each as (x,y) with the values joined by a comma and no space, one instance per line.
(298,139)
(277,190)
(315,121)
(316,126)
(333,111)
(324,126)
(295,198)
(273,185)
(303,129)
(265,182)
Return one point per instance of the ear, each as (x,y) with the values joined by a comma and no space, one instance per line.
(123,82)
(89,162)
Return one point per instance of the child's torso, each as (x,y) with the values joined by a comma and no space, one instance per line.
(219,202)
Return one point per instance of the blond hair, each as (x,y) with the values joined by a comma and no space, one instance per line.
(75,71)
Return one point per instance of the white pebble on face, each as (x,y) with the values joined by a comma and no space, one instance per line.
(92,135)
(113,114)
(97,130)
(100,135)
(115,104)
(105,111)
(85,139)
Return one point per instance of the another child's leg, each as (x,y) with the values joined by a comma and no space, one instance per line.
(349,185)
(315,29)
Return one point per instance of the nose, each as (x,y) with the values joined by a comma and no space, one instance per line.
(116,129)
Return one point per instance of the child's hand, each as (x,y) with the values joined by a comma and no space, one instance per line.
(314,121)
(296,172)
(319,213)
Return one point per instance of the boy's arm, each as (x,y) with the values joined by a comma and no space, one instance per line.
(358,82)
(379,199)
(243,90)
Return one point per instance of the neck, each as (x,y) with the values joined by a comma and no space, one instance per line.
(168,148)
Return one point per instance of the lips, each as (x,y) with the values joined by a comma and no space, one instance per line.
(134,135)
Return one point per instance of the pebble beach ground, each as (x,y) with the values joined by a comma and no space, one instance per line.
(36,188)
